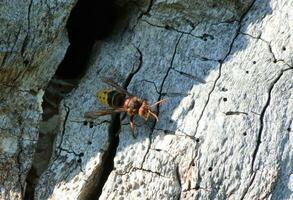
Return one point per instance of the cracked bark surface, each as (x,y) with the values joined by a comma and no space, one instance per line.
(33,43)
(225,131)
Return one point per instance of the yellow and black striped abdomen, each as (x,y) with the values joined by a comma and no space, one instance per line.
(111,97)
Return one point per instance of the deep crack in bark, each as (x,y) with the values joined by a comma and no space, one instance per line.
(88,22)
(109,155)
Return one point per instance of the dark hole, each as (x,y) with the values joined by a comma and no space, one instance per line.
(246,72)
(85,123)
(254,62)
(193,164)
(196,187)
(289,129)
(224,89)
(81,154)
(220,61)
(210,169)
(284,48)
(89,142)
(79,160)
(91,125)
(244,133)
(89,21)
(275,61)
(224,99)
(167,27)
(197,139)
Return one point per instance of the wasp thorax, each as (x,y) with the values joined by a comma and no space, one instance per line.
(133,103)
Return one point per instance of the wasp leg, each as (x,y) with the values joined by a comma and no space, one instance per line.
(154,115)
(132,126)
(159,102)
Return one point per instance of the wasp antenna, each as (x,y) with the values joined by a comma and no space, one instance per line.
(154,115)
(159,102)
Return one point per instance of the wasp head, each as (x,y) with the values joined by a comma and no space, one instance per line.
(144,110)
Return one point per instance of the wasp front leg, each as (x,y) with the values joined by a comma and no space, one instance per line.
(132,125)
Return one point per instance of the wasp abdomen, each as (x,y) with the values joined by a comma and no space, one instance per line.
(110,97)
(116,99)
(102,96)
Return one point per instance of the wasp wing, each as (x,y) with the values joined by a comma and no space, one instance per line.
(116,86)
(95,114)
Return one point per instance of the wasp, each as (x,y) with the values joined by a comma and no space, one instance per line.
(121,101)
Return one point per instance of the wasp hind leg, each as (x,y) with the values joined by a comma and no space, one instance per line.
(132,126)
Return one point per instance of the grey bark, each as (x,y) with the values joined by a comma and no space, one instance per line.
(33,43)
(225,131)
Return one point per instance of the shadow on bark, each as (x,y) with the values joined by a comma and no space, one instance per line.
(177,73)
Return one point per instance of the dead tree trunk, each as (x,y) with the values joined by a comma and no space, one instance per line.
(33,43)
(225,68)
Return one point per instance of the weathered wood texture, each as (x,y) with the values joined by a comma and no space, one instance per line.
(33,43)
(225,131)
